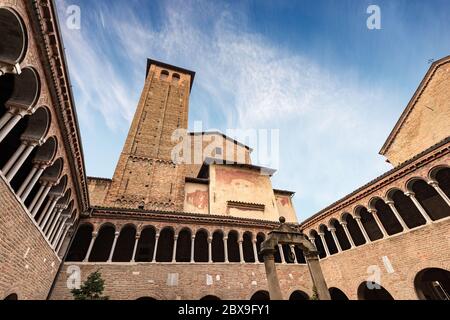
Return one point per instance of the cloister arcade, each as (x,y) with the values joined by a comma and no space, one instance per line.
(28,152)
(127,244)
(424,201)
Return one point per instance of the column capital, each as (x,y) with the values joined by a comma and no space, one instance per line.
(117,233)
(225,238)
(210,239)
(157,235)
(175,237)
(372,211)
(332,229)
(433,183)
(193,237)
(321,234)
(356,217)
(389,202)
(94,234)
(343,223)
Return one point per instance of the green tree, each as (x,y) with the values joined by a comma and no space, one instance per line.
(91,289)
(315,295)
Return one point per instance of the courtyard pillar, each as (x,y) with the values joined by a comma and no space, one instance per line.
(438,189)
(283,259)
(255,250)
(210,250)
(19,163)
(136,241)
(7,167)
(333,233)
(113,247)
(192,249)
(174,255)
(373,212)
(225,249)
(9,126)
(361,227)
(317,276)
(325,246)
(272,277)
(292,247)
(47,186)
(61,239)
(156,247)
(241,251)
(391,205)
(347,233)
(91,245)
(30,182)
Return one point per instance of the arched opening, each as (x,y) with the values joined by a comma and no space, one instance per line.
(442,177)
(201,246)
(247,247)
(386,216)
(259,240)
(369,223)
(318,242)
(337,294)
(373,291)
(103,244)
(430,200)
(298,295)
(184,246)
(353,229)
(165,245)
(260,296)
(406,208)
(26,89)
(332,247)
(218,247)
(299,254)
(340,234)
(14,37)
(433,284)
(80,244)
(125,244)
(146,245)
(11,297)
(210,298)
(233,247)
(164,75)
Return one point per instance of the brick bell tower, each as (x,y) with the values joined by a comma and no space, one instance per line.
(145,176)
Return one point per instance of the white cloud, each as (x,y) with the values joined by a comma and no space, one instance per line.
(330,122)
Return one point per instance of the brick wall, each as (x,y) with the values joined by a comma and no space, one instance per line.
(28,265)
(229,281)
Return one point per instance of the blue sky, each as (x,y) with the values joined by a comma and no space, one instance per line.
(311,69)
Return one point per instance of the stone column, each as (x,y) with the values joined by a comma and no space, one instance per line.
(317,276)
(53,219)
(313,241)
(48,211)
(391,205)
(133,258)
(156,247)
(225,249)
(9,126)
(59,230)
(361,227)
(61,239)
(53,232)
(255,250)
(283,259)
(441,192)
(241,251)
(28,180)
(24,195)
(111,254)
(47,187)
(325,246)
(174,255)
(51,226)
(292,247)
(373,212)
(210,260)
(91,245)
(416,202)
(59,233)
(333,233)
(347,233)
(272,277)
(19,163)
(7,167)
(192,249)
